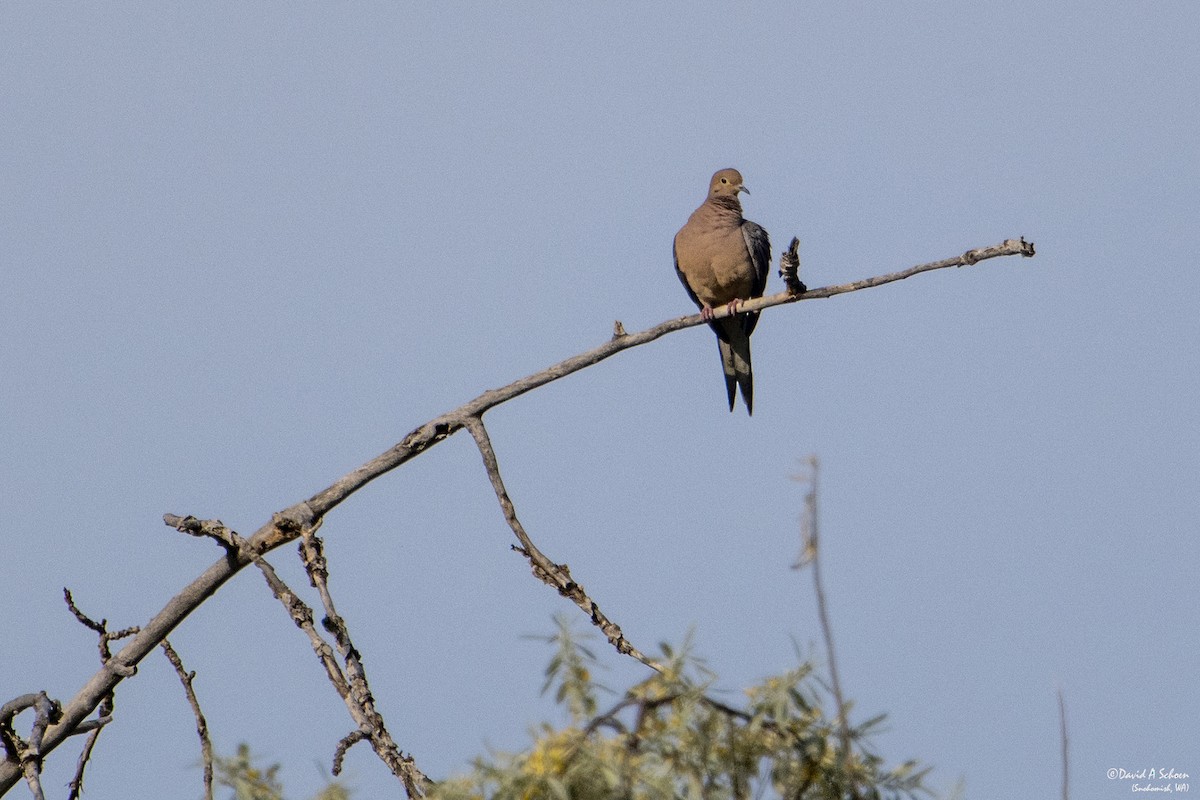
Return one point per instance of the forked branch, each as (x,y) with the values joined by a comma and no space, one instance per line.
(306,515)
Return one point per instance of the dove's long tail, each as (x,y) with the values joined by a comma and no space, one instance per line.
(735,361)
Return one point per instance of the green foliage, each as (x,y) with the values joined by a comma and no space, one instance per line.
(668,739)
(251,782)
(570,669)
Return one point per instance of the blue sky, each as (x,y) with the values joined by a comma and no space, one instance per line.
(247,247)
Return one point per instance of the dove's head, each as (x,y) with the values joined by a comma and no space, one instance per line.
(726,183)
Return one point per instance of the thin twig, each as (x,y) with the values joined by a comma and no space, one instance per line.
(401,766)
(1062,722)
(108,704)
(206,529)
(364,711)
(76,785)
(286,525)
(312,553)
(101,627)
(186,678)
(92,728)
(811,554)
(302,616)
(557,576)
(339,753)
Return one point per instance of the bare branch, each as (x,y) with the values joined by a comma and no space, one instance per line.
(205,529)
(302,616)
(339,754)
(557,576)
(287,525)
(789,269)
(13,745)
(444,426)
(186,678)
(107,704)
(27,756)
(359,699)
(1062,722)
(93,727)
(354,692)
(811,554)
(100,627)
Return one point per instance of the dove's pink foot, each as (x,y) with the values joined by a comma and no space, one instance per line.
(706,312)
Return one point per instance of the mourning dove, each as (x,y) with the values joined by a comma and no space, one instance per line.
(723,259)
